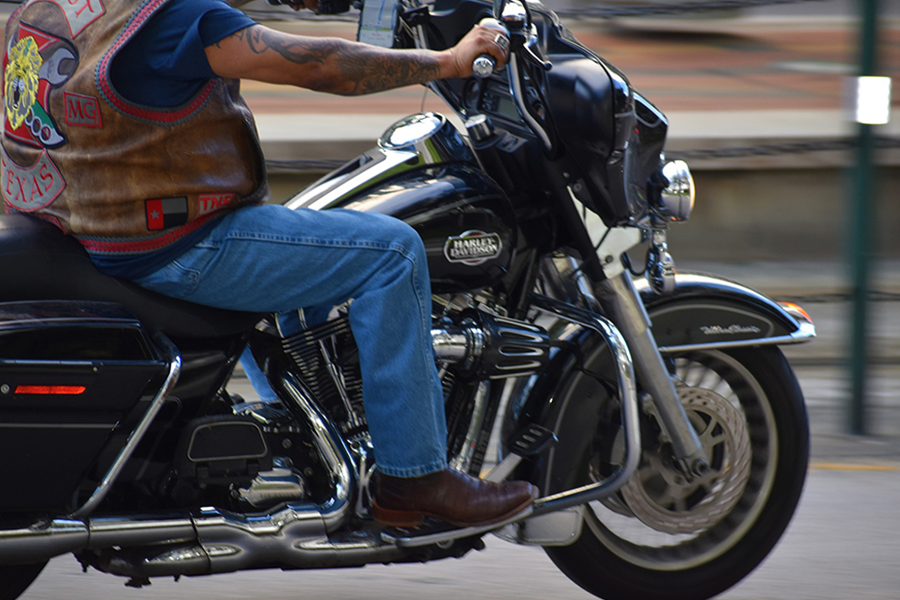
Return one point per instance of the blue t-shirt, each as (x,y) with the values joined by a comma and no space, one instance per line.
(163,66)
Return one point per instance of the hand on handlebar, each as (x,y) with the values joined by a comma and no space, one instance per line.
(481,42)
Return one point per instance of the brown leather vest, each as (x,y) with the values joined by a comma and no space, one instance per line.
(120,177)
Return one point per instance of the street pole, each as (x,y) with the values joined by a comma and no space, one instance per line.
(862,228)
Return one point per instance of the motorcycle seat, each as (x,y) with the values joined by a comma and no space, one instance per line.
(40,262)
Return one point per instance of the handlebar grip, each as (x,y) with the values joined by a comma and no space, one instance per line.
(483,66)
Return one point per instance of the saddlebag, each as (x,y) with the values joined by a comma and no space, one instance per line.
(75,377)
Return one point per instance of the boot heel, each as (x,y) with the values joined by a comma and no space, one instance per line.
(396,518)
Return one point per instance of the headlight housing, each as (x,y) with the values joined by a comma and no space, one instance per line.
(677,199)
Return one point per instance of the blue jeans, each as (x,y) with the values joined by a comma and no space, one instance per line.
(272,259)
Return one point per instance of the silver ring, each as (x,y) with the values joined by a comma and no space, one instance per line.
(501,41)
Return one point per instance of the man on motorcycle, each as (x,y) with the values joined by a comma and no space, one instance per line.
(124,126)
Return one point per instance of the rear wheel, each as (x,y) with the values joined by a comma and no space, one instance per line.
(15,579)
(663,537)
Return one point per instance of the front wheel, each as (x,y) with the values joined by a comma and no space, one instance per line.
(663,537)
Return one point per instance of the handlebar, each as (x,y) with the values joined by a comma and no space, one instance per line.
(483,66)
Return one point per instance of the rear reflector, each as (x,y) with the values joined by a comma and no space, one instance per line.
(51,390)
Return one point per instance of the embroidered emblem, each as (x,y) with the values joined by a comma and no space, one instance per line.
(30,188)
(80,13)
(82,111)
(165,213)
(209,203)
(473,247)
(35,63)
(20,80)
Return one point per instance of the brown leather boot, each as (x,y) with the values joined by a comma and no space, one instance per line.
(448,495)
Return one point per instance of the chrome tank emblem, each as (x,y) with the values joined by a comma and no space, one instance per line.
(473,247)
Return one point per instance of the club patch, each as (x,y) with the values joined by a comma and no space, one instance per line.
(473,247)
(165,213)
(29,188)
(82,111)
(35,63)
(209,203)
(80,13)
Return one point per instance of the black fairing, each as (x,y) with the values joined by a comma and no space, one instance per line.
(608,138)
(450,206)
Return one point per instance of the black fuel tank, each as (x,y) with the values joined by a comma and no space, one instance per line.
(462,215)
(424,173)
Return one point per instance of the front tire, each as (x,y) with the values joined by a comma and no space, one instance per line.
(662,538)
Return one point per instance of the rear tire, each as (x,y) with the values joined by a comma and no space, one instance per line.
(15,579)
(620,557)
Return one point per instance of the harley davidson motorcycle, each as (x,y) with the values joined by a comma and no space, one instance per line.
(654,409)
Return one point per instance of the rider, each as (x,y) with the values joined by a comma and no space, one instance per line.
(124,127)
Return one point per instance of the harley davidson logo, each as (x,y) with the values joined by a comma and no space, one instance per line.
(473,247)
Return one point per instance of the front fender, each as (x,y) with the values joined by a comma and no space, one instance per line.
(705,311)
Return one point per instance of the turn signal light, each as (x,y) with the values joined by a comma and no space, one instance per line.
(51,390)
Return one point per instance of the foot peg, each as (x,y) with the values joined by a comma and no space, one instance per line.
(439,532)
(529,442)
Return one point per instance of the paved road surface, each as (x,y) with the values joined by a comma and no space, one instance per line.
(841,546)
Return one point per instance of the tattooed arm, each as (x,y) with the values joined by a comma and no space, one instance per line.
(339,66)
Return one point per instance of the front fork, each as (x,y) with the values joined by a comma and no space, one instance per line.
(605,285)
(623,306)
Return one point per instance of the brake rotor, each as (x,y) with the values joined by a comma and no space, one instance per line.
(662,497)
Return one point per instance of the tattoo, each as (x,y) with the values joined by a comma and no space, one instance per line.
(346,67)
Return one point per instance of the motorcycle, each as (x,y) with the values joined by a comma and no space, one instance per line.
(653,408)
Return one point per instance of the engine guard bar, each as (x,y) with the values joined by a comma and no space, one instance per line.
(628,394)
(578,496)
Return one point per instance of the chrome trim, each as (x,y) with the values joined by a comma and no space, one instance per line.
(138,530)
(630,424)
(399,538)
(280,484)
(804,334)
(174,360)
(515,88)
(337,376)
(450,345)
(42,540)
(430,136)
(333,451)
(626,309)
(439,145)
(382,165)
(463,461)
(676,201)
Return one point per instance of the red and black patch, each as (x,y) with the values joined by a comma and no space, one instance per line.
(165,213)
